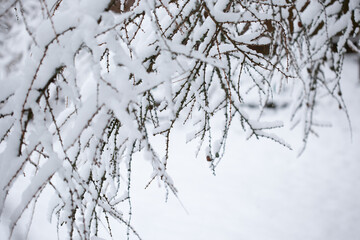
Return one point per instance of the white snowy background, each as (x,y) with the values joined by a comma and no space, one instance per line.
(261,189)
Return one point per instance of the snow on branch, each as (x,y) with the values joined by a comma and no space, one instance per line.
(87,84)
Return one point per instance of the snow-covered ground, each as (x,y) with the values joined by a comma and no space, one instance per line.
(261,189)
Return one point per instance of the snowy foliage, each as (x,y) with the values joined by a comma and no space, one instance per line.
(86,85)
